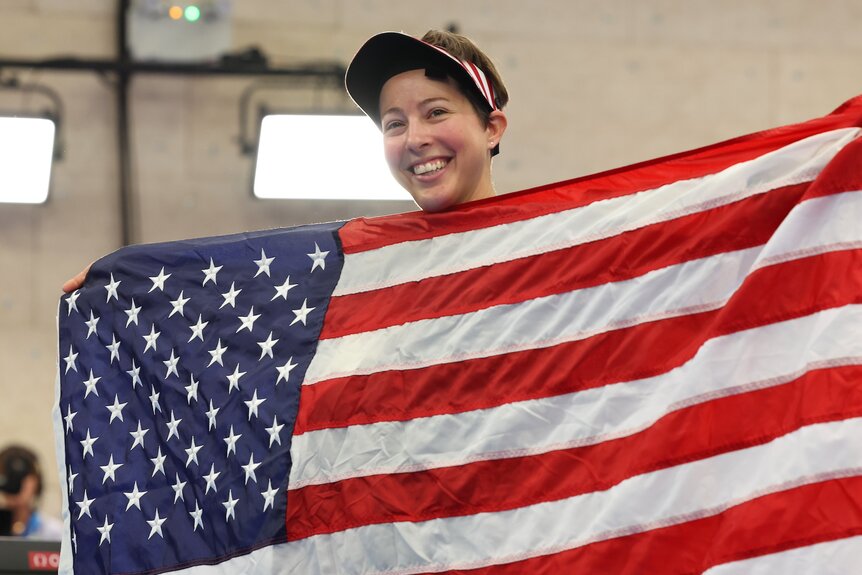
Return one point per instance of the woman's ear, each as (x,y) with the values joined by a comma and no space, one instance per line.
(496,127)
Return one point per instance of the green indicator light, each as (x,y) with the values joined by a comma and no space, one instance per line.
(192,13)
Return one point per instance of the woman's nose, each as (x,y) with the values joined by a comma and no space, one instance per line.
(418,135)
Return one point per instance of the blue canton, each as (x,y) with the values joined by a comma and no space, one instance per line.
(180,367)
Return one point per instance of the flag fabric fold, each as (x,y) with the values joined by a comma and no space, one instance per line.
(652,369)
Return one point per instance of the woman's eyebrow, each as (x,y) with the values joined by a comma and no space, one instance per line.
(434,99)
(391,109)
(424,102)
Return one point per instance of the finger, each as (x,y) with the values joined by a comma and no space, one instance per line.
(76,282)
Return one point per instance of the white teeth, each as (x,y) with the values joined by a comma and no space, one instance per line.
(429,167)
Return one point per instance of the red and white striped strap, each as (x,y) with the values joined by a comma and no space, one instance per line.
(477,75)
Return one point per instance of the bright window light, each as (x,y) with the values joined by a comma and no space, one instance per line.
(323,158)
(26,151)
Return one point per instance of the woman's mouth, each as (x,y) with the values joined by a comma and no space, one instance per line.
(429,167)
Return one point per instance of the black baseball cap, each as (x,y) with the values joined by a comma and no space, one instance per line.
(390,53)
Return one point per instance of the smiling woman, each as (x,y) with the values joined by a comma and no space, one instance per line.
(438,103)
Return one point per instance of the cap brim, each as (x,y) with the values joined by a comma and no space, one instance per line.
(388,54)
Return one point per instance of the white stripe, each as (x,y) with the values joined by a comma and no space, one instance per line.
(392,265)
(840,557)
(815,226)
(662,498)
(695,285)
(66,557)
(837,220)
(736,363)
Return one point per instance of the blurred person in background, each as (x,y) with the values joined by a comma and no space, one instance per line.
(20,492)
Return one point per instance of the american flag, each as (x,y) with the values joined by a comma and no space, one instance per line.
(656,369)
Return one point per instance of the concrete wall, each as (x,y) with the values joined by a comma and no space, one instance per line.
(594,85)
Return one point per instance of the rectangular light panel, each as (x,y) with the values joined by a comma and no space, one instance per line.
(321,157)
(26,152)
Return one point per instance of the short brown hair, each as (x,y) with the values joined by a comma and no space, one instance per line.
(465,49)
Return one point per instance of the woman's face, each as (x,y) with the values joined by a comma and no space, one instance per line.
(436,145)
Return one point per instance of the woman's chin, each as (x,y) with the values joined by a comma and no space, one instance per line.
(434,202)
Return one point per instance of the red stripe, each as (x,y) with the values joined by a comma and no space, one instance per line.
(771,294)
(618,258)
(367,234)
(690,434)
(799,517)
(479,77)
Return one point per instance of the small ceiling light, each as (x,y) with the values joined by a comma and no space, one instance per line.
(193,13)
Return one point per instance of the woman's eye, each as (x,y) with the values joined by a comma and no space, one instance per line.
(436,112)
(391,125)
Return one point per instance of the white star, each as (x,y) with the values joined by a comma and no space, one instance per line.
(138,435)
(84,506)
(269,495)
(105,530)
(87,444)
(198,329)
(132,312)
(192,389)
(249,469)
(91,325)
(178,304)
(151,339)
(229,506)
(231,441)
(134,497)
(173,426)
(230,297)
(135,372)
(302,312)
(217,353)
(210,273)
(192,452)
(284,370)
(159,280)
(112,289)
(210,479)
(70,415)
(158,462)
(114,348)
(318,258)
(253,404)
(154,399)
(116,409)
(71,301)
(281,291)
(171,365)
(71,478)
(266,346)
(70,360)
(211,414)
(178,489)
(91,384)
(247,322)
(75,540)
(197,515)
(274,431)
(263,264)
(156,525)
(110,470)
(233,379)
